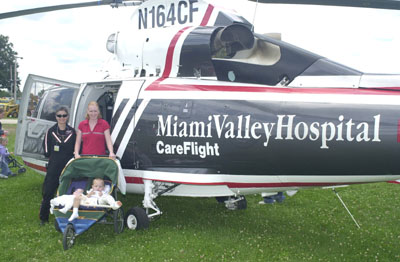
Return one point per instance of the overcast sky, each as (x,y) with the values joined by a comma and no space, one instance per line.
(70,45)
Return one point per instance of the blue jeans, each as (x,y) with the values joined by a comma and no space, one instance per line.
(4,168)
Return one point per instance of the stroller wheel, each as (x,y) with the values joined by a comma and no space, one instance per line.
(68,237)
(21,170)
(136,219)
(119,222)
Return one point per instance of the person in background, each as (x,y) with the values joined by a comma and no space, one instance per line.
(94,134)
(2,132)
(58,146)
(5,171)
(270,198)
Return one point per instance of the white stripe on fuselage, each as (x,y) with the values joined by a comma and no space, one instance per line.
(273,96)
(122,118)
(131,128)
(202,185)
(192,178)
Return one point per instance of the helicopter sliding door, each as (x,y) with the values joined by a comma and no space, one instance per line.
(31,129)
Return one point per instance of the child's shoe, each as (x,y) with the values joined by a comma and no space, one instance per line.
(3,176)
(73,216)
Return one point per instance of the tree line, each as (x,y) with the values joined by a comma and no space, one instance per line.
(7,59)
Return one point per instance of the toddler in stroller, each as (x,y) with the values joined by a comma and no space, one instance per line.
(97,196)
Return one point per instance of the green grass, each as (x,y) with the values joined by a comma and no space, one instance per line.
(310,226)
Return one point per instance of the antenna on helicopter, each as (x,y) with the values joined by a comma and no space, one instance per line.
(118,3)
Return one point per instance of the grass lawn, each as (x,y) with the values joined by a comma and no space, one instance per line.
(310,226)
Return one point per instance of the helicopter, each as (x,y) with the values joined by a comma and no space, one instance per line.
(209,108)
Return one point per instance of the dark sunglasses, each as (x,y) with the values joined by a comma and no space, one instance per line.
(62,115)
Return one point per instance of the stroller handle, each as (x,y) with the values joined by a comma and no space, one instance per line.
(116,157)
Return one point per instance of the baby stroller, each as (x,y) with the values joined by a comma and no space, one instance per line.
(79,173)
(13,163)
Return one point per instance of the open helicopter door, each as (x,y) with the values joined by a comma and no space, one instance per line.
(31,129)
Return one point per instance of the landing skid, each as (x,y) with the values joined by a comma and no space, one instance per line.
(139,218)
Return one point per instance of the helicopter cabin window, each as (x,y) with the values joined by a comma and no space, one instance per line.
(104,93)
(106,105)
(53,99)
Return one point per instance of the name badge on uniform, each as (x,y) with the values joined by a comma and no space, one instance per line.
(56,148)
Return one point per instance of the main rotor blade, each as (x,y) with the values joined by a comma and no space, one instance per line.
(54,8)
(379,4)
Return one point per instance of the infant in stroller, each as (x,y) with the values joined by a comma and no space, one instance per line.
(97,195)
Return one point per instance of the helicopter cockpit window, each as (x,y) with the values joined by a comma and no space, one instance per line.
(53,100)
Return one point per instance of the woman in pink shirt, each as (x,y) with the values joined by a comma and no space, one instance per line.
(94,133)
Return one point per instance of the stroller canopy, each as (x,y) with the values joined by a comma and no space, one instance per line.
(90,168)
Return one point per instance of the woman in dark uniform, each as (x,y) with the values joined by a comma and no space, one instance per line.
(58,146)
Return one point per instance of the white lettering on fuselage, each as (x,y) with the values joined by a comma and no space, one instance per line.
(242,127)
(188,148)
(159,16)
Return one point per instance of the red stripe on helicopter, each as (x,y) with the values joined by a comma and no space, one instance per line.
(170,55)
(156,86)
(134,180)
(34,166)
(171,48)
(207,15)
(398,131)
(139,180)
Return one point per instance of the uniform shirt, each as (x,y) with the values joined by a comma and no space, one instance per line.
(93,142)
(59,144)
